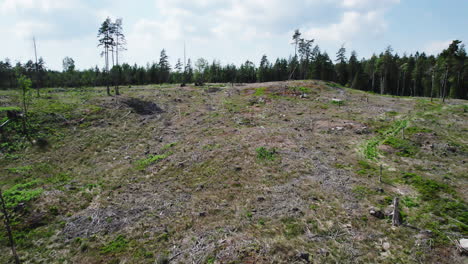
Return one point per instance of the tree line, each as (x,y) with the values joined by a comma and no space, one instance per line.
(443,75)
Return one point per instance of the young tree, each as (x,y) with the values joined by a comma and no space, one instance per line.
(341,69)
(68,64)
(24,84)
(164,67)
(264,69)
(106,41)
(201,69)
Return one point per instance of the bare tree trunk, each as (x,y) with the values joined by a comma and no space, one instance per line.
(396,217)
(398,83)
(373,81)
(107,71)
(432,84)
(445,85)
(37,71)
(404,81)
(8,228)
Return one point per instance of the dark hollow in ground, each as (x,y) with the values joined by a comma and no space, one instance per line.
(143,107)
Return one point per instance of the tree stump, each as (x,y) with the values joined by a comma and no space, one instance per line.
(396,216)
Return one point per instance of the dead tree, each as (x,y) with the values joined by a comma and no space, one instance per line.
(8,228)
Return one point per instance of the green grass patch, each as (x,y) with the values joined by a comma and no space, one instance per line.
(266,154)
(292,228)
(370,147)
(168,146)
(301,89)
(362,191)
(428,188)
(22,170)
(144,163)
(404,146)
(22,193)
(414,130)
(9,108)
(119,244)
(260,91)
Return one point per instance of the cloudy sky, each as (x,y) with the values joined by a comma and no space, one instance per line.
(226,30)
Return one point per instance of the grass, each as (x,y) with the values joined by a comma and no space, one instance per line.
(370,147)
(119,244)
(403,146)
(144,163)
(9,108)
(266,154)
(292,228)
(260,91)
(22,193)
(219,167)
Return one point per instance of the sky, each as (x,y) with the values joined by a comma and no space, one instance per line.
(230,31)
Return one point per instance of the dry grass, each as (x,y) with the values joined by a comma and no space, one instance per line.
(211,199)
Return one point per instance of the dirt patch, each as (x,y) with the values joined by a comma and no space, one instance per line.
(142,107)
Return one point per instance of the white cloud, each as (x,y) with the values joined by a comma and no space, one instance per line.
(437,47)
(27,29)
(352,25)
(368,4)
(41,5)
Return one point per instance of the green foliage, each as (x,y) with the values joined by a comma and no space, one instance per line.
(260,91)
(414,130)
(144,163)
(119,244)
(338,102)
(9,108)
(428,188)
(370,147)
(22,170)
(409,202)
(266,154)
(22,193)
(301,89)
(168,146)
(404,147)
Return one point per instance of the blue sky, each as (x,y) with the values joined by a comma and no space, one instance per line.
(226,30)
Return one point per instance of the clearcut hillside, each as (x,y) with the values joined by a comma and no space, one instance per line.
(281,172)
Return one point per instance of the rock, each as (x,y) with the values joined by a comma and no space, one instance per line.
(464,243)
(386,246)
(377,213)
